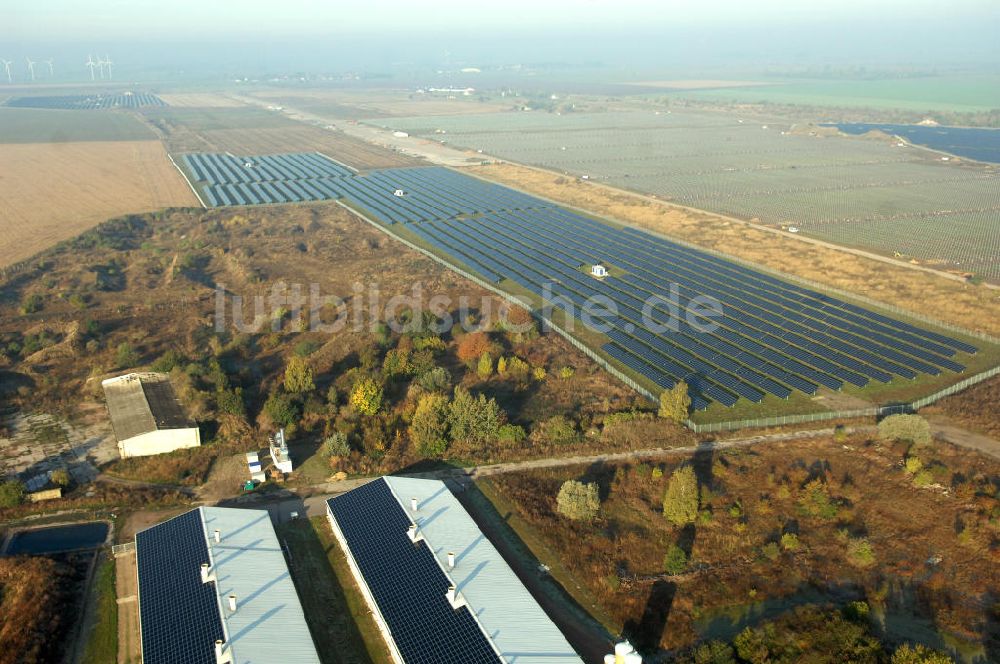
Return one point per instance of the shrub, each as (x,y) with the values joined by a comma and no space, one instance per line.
(919,654)
(336,446)
(474,419)
(713,652)
(578,501)
(675,561)
(397,363)
(11,494)
(770,551)
(857,611)
(437,379)
(366,396)
(538,373)
(230,402)
(816,502)
(282,409)
(434,344)
(558,430)
(306,348)
(125,355)
(485,367)
(567,372)
(299,376)
(923,478)
(517,369)
(790,542)
(680,502)
(910,428)
(31,304)
(860,552)
(675,403)
(60,478)
(913,465)
(429,427)
(382,334)
(166,362)
(511,434)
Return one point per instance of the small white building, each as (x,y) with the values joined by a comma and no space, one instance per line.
(147,416)
(599,271)
(399,192)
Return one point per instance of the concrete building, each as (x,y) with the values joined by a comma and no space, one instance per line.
(214,588)
(146,415)
(437,588)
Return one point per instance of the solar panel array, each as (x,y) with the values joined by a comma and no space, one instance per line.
(179,614)
(406,581)
(395,195)
(88,102)
(773,337)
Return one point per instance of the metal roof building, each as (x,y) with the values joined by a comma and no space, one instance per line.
(146,415)
(214,589)
(439,590)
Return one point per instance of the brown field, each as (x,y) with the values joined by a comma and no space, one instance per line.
(377,103)
(199,100)
(304,138)
(966,305)
(51,192)
(831,495)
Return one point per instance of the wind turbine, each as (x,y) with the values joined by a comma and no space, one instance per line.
(100,67)
(107,61)
(6,65)
(31,68)
(90,63)
(51,70)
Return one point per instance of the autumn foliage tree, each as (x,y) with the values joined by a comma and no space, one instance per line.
(675,403)
(366,396)
(429,426)
(299,376)
(472,346)
(680,503)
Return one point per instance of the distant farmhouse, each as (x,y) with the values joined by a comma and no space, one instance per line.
(214,588)
(146,415)
(439,591)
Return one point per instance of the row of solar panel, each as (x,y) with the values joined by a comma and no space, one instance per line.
(845,326)
(87,102)
(756,363)
(219,169)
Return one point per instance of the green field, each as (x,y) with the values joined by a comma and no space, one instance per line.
(944,93)
(28,125)
(872,194)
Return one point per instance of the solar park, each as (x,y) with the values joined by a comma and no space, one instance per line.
(88,102)
(773,338)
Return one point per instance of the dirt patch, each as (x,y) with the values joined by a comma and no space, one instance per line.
(34,444)
(53,191)
(966,305)
(127,589)
(975,409)
(199,100)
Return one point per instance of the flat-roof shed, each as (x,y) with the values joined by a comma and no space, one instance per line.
(214,588)
(147,416)
(439,590)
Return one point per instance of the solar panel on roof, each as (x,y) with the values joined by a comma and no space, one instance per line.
(179,614)
(406,581)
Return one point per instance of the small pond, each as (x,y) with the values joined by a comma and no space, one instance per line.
(58,539)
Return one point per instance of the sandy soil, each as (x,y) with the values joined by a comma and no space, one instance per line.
(200,100)
(966,305)
(53,191)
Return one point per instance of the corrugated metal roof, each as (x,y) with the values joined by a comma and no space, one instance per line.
(268,625)
(141,403)
(509,615)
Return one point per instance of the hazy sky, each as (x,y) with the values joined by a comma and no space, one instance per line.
(99,19)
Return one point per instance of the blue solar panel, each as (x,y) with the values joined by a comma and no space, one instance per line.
(406,581)
(179,614)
